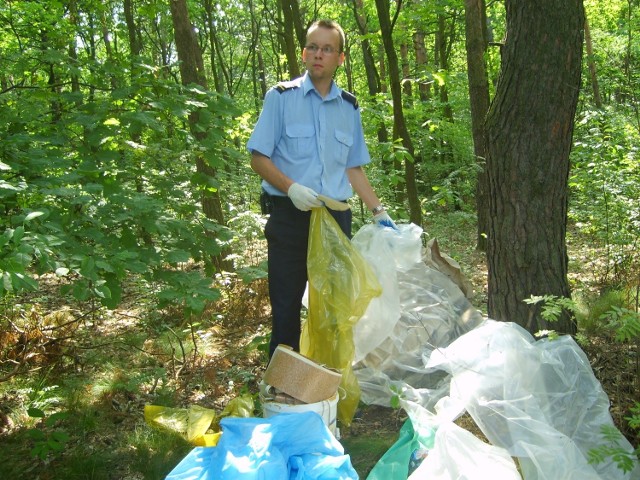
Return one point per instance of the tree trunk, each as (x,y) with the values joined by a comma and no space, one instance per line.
(406,74)
(373,77)
(192,72)
(476,43)
(422,62)
(292,51)
(444,40)
(135,39)
(597,99)
(217,77)
(529,132)
(400,130)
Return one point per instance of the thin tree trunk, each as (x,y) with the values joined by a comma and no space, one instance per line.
(476,43)
(217,80)
(422,61)
(292,51)
(406,74)
(192,72)
(373,77)
(597,99)
(400,130)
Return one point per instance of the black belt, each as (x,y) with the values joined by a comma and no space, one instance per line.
(280,200)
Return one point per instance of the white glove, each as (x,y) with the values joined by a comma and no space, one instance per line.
(384,220)
(303,197)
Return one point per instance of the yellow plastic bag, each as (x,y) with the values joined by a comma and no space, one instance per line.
(199,425)
(341,285)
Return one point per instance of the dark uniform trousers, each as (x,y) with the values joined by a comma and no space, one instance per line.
(287,234)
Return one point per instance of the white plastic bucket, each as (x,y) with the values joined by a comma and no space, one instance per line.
(327,409)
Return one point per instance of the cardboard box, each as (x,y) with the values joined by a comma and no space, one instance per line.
(301,377)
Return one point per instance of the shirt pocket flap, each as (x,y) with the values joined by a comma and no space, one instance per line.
(298,130)
(344,138)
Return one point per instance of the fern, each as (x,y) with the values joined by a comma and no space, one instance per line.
(625,322)
(624,459)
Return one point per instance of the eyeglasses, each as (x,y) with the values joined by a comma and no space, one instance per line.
(328,50)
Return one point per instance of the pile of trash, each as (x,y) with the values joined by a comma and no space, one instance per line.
(394,321)
(536,401)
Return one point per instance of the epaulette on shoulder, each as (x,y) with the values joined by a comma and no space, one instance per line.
(284,86)
(351,98)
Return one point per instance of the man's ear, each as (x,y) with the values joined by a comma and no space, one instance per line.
(341,59)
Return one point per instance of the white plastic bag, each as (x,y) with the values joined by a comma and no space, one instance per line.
(387,251)
(391,345)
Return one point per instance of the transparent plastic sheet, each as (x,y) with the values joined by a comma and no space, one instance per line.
(394,341)
(539,400)
(341,285)
(431,445)
(454,453)
(198,425)
(286,446)
(459,455)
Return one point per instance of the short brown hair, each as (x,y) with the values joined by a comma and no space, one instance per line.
(331,25)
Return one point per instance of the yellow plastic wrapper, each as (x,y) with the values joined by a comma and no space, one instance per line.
(192,423)
(199,425)
(341,285)
(242,406)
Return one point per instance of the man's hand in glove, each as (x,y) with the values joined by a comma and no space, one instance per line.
(383,219)
(303,197)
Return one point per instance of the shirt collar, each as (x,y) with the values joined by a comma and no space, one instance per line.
(307,86)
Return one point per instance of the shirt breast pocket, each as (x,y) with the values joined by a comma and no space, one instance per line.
(344,143)
(301,139)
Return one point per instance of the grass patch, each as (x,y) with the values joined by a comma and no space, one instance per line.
(366,451)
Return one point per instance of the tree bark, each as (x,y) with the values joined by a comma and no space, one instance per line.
(476,44)
(529,132)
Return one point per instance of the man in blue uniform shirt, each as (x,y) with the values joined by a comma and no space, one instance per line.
(307,141)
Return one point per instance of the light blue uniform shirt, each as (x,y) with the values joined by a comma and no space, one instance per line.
(312,140)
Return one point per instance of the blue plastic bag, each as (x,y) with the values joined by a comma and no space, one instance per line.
(294,446)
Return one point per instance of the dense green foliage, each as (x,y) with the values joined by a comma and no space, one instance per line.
(99,190)
(98,162)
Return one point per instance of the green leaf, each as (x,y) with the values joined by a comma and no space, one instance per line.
(103,292)
(35,412)
(249,274)
(56,417)
(202,180)
(196,103)
(60,436)
(23,282)
(178,256)
(18,233)
(36,435)
(33,215)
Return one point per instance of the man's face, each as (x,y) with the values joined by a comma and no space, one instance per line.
(321,65)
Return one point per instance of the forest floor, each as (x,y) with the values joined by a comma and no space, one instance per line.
(104,367)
